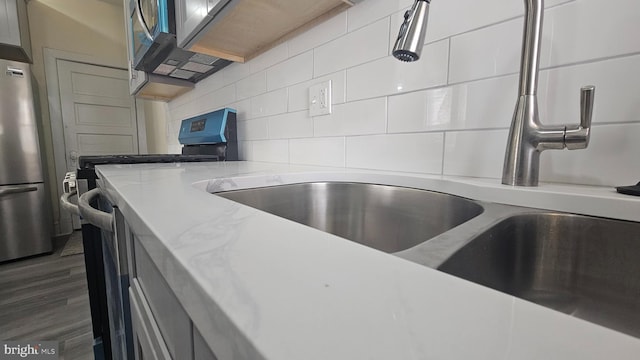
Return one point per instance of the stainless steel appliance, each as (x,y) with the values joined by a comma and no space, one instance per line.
(106,255)
(154,44)
(24,212)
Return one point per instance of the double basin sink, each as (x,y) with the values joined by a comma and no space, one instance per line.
(584,266)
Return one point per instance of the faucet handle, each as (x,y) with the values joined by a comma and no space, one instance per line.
(587,94)
(577,137)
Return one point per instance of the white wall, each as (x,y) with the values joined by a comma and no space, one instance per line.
(155,114)
(448,113)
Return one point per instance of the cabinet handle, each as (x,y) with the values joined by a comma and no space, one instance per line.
(67,204)
(133,72)
(18,190)
(95,217)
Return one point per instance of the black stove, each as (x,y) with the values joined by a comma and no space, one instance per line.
(107,275)
(89,162)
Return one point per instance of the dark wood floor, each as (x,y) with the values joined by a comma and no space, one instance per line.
(45,298)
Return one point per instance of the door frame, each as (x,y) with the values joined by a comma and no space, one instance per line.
(63,224)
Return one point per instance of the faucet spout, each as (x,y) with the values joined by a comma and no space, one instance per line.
(527,136)
(531,40)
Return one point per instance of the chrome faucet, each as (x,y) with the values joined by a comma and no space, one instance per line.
(527,136)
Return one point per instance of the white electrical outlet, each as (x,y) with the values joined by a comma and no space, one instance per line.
(320,99)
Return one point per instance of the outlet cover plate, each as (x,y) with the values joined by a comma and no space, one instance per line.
(320,99)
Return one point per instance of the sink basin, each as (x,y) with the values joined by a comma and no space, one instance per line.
(583,266)
(387,218)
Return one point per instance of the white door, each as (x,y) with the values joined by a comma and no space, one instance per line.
(98,114)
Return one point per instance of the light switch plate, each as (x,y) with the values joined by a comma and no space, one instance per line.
(320,99)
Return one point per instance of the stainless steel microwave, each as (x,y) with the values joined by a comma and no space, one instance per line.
(154,45)
(152,25)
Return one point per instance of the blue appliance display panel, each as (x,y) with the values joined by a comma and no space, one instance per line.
(205,129)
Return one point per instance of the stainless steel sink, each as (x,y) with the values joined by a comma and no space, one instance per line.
(583,266)
(387,218)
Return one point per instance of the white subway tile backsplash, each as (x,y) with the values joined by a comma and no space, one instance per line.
(292,125)
(487,52)
(245,149)
(389,76)
(270,151)
(397,152)
(253,85)
(592,29)
(235,72)
(363,45)
(355,118)
(269,58)
(372,10)
(552,3)
(324,32)
(475,153)
(215,100)
(211,83)
(567,37)
(289,72)
(271,103)
(179,112)
(181,100)
(610,160)
(243,109)
(617,97)
(257,129)
(483,104)
(299,94)
(318,151)
(486,104)
(421,111)
(447,18)
(174,127)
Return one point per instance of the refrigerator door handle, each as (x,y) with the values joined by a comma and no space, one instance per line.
(95,217)
(18,190)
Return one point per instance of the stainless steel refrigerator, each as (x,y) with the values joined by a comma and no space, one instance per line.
(24,211)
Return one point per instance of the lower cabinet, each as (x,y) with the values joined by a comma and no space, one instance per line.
(147,340)
(162,329)
(172,320)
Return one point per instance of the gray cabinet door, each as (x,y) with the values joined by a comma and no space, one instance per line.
(147,338)
(9,30)
(189,16)
(201,350)
(14,30)
(136,78)
(173,322)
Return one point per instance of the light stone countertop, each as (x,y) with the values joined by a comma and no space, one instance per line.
(261,287)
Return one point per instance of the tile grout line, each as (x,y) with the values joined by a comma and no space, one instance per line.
(444,146)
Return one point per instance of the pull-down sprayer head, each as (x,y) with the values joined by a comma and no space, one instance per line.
(411,36)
